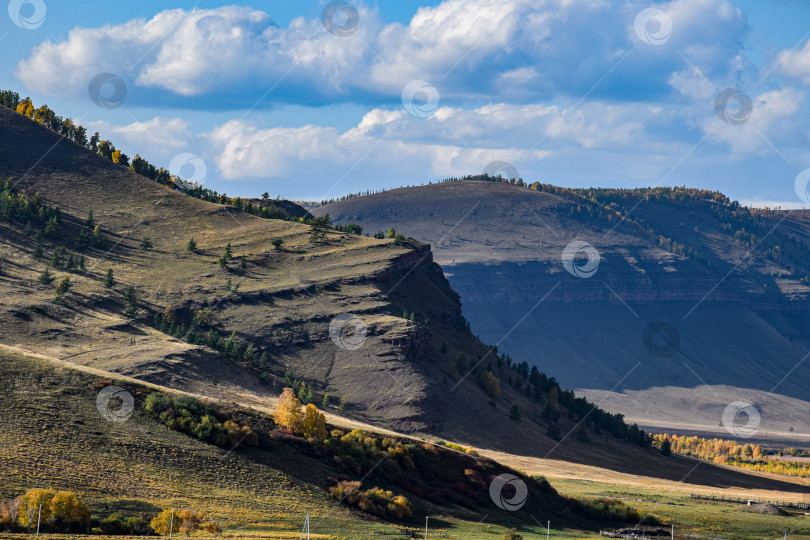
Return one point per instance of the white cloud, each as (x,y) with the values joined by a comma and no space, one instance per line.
(453,142)
(509,50)
(772,121)
(795,63)
(155,138)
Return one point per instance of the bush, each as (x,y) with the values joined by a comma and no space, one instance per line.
(373,501)
(195,418)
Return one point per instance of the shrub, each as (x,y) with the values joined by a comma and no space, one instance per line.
(373,501)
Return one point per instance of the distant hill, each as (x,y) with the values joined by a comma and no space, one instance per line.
(696,302)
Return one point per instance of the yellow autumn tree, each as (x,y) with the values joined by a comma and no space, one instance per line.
(491,384)
(162,523)
(31,503)
(288,413)
(66,508)
(189,521)
(314,424)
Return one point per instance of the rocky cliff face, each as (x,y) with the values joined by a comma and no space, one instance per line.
(739,317)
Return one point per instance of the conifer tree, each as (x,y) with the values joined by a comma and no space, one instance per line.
(109,280)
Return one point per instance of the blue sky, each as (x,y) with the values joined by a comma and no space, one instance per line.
(575,93)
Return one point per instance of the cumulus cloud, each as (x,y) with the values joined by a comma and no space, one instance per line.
(508,50)
(155,137)
(771,123)
(454,141)
(795,63)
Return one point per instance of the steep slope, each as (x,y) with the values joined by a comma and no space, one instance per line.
(735,315)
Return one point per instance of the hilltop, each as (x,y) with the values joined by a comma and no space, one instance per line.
(728,285)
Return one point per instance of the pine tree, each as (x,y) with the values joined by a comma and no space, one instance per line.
(146,243)
(131,302)
(305,393)
(56,259)
(325,401)
(109,280)
(191,247)
(81,262)
(46,278)
(228,252)
(38,251)
(277,243)
(91,222)
(243,263)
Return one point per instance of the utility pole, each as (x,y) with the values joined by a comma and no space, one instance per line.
(171,524)
(39,518)
(548,529)
(426,527)
(673,531)
(305,530)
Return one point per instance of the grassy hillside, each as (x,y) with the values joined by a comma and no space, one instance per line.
(57,438)
(730,283)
